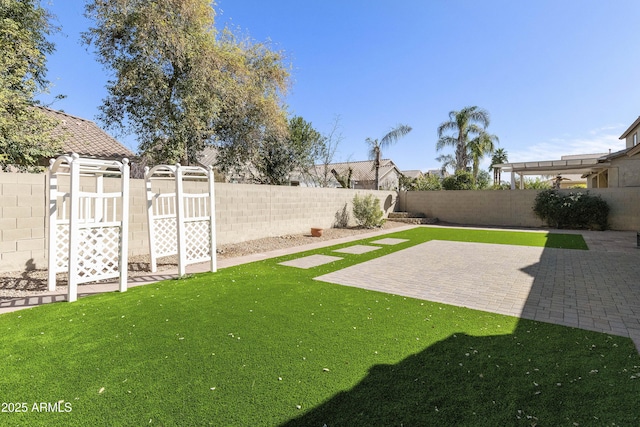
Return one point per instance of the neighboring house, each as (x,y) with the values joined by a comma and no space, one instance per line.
(622,168)
(412,174)
(208,157)
(602,170)
(85,138)
(440,173)
(362,175)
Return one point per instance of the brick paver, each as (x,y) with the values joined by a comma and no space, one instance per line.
(594,290)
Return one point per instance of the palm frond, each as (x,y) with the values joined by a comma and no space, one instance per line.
(445,141)
(394,134)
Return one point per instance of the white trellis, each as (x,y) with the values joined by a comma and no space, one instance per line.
(88,230)
(181,223)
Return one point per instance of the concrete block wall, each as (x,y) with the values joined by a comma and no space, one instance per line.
(513,208)
(243,212)
(22,220)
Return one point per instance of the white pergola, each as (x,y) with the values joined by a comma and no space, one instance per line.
(579,166)
(88,230)
(181,223)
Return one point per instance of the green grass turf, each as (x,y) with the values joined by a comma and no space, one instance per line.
(264,344)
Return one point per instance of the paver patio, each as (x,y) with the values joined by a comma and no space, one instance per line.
(592,290)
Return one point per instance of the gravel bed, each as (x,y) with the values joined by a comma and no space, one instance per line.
(20,284)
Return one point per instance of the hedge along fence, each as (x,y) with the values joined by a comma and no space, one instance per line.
(513,208)
(243,212)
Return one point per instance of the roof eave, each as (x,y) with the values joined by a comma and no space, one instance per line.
(628,131)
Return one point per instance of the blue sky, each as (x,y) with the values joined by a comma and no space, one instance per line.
(557,76)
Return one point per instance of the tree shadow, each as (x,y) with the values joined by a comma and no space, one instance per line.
(467,380)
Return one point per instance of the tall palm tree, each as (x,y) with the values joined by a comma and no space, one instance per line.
(479,147)
(469,123)
(499,157)
(375,146)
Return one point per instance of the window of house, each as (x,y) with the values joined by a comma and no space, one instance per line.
(635,139)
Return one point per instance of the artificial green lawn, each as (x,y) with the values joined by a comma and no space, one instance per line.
(264,344)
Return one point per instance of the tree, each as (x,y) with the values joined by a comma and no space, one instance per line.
(461,180)
(483,180)
(479,147)
(178,84)
(426,182)
(26,134)
(375,146)
(467,124)
(278,158)
(499,157)
(320,173)
(447,161)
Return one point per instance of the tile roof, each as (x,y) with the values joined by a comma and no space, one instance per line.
(414,173)
(86,138)
(363,170)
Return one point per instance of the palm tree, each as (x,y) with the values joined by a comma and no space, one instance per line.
(447,161)
(499,157)
(469,123)
(375,146)
(479,147)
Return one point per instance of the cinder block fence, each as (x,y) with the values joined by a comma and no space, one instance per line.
(246,212)
(243,212)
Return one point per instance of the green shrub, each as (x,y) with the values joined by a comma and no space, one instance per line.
(572,210)
(367,212)
(462,180)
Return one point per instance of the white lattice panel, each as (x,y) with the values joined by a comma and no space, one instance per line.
(198,238)
(98,251)
(62,247)
(166,237)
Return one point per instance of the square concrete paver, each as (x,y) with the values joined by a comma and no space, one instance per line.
(310,261)
(357,249)
(390,241)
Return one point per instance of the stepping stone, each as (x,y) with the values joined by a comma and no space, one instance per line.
(390,241)
(357,249)
(310,261)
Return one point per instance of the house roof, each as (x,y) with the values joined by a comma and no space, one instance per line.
(364,170)
(412,173)
(86,138)
(631,128)
(207,157)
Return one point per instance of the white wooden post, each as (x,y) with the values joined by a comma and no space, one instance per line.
(212,213)
(180,226)
(150,222)
(123,257)
(74,229)
(52,203)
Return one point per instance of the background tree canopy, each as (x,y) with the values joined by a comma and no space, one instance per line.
(25,132)
(470,139)
(179,84)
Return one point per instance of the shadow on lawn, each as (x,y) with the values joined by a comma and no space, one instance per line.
(540,374)
(495,380)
